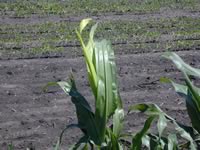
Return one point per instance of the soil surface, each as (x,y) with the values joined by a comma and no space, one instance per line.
(32,118)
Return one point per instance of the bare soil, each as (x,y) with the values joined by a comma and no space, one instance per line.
(32,118)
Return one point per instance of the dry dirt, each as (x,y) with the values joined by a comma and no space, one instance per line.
(31,118)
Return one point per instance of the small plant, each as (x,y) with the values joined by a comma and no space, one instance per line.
(10,147)
(101,68)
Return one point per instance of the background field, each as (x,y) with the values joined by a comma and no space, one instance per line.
(38,44)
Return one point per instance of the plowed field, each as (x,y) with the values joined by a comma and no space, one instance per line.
(37,48)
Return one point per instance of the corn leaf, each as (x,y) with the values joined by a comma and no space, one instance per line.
(101,69)
(149,109)
(182,132)
(10,147)
(157,142)
(146,141)
(118,119)
(154,110)
(182,90)
(161,124)
(172,142)
(113,142)
(88,54)
(137,139)
(191,92)
(193,104)
(179,88)
(84,23)
(181,65)
(107,93)
(86,119)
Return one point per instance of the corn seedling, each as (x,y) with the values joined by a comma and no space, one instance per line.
(101,68)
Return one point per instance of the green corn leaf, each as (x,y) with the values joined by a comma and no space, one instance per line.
(172,142)
(86,118)
(149,109)
(101,68)
(162,123)
(179,88)
(181,65)
(113,141)
(118,119)
(88,51)
(137,139)
(154,110)
(146,141)
(10,147)
(193,133)
(107,82)
(107,93)
(193,104)
(183,132)
(154,143)
(191,92)
(157,143)
(182,90)
(49,84)
(84,23)
(88,54)
(90,45)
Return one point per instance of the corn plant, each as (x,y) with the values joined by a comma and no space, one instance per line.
(101,69)
(190,134)
(10,147)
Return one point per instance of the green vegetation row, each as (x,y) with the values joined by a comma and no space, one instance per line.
(184,33)
(179,26)
(24,8)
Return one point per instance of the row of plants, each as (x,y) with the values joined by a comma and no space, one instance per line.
(50,38)
(97,134)
(24,8)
